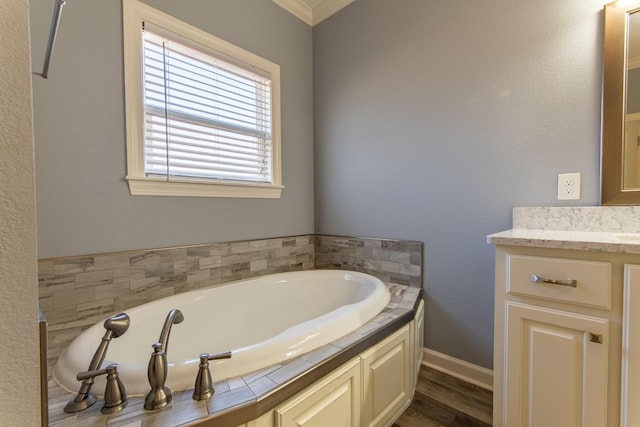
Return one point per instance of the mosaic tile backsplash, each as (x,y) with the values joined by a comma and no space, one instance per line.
(76,292)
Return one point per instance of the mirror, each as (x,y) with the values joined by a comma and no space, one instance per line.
(621,104)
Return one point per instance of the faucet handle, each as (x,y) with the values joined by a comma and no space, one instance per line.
(115,396)
(203,388)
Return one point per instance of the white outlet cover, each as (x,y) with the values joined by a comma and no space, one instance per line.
(569,186)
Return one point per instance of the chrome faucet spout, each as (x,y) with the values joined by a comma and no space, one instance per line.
(159,396)
(174,316)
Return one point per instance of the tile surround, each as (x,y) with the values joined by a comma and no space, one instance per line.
(397,261)
(76,292)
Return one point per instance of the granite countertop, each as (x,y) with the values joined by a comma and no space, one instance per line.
(628,243)
(613,229)
(239,400)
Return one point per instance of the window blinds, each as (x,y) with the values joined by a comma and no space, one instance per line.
(205,118)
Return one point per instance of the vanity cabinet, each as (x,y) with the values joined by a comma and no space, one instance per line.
(557,337)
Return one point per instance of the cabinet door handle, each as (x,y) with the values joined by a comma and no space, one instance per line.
(596,338)
(539,279)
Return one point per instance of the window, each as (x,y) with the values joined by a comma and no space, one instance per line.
(202,115)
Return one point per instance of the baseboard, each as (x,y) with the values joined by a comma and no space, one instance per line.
(474,374)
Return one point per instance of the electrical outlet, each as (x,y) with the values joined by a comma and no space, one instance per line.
(569,186)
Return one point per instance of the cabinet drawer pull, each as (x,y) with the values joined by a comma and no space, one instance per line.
(539,279)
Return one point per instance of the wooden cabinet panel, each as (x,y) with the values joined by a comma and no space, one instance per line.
(372,389)
(592,279)
(334,401)
(386,379)
(556,368)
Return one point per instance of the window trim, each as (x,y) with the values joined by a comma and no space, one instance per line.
(134,13)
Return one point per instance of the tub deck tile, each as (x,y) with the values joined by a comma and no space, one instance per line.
(368,328)
(234,383)
(348,340)
(253,376)
(229,400)
(316,356)
(290,370)
(129,415)
(385,318)
(263,386)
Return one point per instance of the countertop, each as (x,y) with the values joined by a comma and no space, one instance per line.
(627,243)
(614,229)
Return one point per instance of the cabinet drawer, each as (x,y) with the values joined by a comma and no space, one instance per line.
(566,280)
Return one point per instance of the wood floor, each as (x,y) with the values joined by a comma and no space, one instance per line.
(444,401)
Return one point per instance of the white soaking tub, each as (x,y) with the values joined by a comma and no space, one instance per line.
(262,321)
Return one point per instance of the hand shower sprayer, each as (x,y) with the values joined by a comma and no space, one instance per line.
(116,326)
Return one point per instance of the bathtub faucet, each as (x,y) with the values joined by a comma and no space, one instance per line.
(160,395)
(174,316)
(115,326)
(203,388)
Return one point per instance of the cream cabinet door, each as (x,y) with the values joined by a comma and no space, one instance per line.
(630,410)
(555,368)
(334,401)
(386,378)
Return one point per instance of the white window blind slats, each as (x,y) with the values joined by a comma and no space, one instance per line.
(229,157)
(197,99)
(203,159)
(186,141)
(155,44)
(206,123)
(201,136)
(189,146)
(190,73)
(204,118)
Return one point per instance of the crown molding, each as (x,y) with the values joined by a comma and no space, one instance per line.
(312,15)
(297,8)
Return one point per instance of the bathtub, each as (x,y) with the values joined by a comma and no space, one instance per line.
(262,321)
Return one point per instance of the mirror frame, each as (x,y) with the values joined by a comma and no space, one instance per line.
(613,104)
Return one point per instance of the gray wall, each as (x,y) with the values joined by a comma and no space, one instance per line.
(434,118)
(428,121)
(83,202)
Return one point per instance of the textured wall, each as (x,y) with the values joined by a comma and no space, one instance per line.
(19,389)
(83,201)
(433,119)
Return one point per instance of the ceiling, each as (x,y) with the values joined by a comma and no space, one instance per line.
(313,11)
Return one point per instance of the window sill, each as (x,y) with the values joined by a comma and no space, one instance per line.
(144,186)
